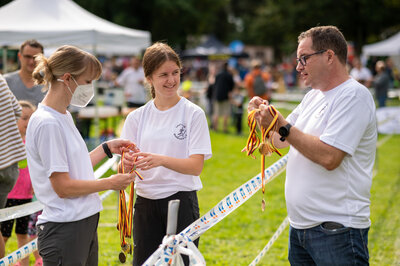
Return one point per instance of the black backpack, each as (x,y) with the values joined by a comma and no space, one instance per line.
(259,86)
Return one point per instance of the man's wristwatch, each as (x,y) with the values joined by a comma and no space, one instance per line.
(284,131)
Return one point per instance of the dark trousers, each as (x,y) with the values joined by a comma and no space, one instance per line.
(328,246)
(72,243)
(150,222)
(237,118)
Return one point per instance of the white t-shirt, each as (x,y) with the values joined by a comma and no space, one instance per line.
(178,132)
(53,144)
(343,117)
(130,79)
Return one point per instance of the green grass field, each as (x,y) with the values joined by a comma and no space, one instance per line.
(239,238)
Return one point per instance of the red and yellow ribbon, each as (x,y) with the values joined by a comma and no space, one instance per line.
(125,215)
(266,144)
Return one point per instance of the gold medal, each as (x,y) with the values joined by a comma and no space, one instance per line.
(263,205)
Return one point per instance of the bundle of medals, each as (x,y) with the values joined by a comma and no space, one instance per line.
(125,215)
(265,145)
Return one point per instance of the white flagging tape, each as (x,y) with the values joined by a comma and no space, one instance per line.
(25,209)
(20,211)
(271,241)
(19,254)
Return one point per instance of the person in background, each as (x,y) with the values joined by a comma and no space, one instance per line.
(255,81)
(223,87)
(22,191)
(60,166)
(237,102)
(332,136)
(381,83)
(12,148)
(21,82)
(172,135)
(131,79)
(361,73)
(209,91)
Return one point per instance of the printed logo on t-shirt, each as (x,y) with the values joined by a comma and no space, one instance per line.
(180,132)
(321,111)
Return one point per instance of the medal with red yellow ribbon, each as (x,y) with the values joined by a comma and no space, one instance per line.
(265,145)
(125,215)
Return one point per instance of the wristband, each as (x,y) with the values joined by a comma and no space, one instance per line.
(107,150)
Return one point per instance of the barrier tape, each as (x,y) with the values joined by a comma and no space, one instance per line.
(271,241)
(232,201)
(19,254)
(20,211)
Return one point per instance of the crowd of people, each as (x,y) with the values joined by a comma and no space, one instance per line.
(332,137)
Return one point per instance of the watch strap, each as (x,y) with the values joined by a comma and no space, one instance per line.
(107,150)
(286,132)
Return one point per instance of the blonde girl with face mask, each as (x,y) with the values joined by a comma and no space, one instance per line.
(60,165)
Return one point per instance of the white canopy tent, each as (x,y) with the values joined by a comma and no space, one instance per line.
(57,22)
(388,47)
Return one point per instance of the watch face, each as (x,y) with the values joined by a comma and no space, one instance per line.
(283,131)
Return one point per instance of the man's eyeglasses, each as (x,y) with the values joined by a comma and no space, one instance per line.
(303,59)
(28,57)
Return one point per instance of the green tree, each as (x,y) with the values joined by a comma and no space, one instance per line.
(261,22)
(171,21)
(278,23)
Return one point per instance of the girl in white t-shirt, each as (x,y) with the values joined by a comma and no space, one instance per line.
(173,138)
(60,166)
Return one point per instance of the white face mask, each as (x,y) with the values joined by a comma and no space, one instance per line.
(82,95)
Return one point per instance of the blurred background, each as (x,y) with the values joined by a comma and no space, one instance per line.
(209,34)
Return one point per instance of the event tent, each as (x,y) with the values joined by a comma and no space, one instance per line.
(388,47)
(211,46)
(59,22)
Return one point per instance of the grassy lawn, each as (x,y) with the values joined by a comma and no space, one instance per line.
(239,238)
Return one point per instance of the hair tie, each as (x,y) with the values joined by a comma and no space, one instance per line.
(41,72)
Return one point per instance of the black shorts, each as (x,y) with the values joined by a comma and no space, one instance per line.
(21,226)
(150,222)
(70,243)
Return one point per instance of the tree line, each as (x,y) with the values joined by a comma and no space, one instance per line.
(256,22)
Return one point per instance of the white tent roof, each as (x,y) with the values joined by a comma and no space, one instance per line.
(388,47)
(57,22)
